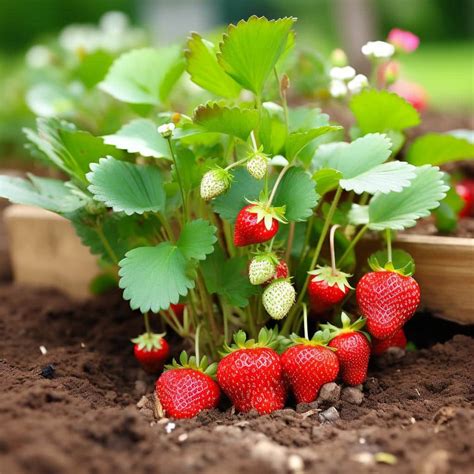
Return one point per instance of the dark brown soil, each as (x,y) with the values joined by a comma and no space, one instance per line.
(85,419)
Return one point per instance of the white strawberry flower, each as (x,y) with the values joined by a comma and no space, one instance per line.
(358,83)
(166,130)
(345,73)
(378,50)
(337,89)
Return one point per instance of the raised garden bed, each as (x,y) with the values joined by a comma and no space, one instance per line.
(85,418)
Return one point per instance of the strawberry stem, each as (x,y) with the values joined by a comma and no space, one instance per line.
(196,343)
(388,237)
(147,324)
(333,250)
(277,183)
(254,142)
(305,321)
(353,243)
(178,177)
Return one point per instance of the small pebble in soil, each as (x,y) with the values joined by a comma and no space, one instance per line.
(43,350)
(362,440)
(329,393)
(48,371)
(412,420)
(295,463)
(182,437)
(331,414)
(304,407)
(352,395)
(170,427)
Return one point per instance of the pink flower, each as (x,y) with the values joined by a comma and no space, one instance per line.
(412,93)
(403,40)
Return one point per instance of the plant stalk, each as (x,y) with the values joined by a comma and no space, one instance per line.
(353,243)
(180,182)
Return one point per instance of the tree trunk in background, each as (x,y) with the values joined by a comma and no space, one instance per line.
(357,21)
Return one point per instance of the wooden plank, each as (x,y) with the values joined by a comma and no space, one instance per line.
(444,270)
(46,252)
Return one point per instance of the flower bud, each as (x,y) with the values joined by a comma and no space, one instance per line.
(338,58)
(166,130)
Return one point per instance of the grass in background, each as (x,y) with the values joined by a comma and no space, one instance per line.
(446,71)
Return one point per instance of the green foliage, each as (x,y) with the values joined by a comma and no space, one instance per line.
(205,71)
(126,187)
(297,193)
(361,164)
(155,277)
(446,215)
(244,188)
(228,278)
(69,149)
(250,50)
(438,149)
(50,194)
(140,136)
(399,210)
(326,180)
(93,67)
(144,76)
(215,117)
(296,141)
(380,111)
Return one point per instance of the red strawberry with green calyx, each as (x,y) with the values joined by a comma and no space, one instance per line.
(397,340)
(387,297)
(251,374)
(308,365)
(187,388)
(257,223)
(151,351)
(327,287)
(352,349)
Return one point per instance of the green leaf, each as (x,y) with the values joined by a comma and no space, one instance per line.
(438,149)
(127,187)
(446,215)
(297,191)
(197,239)
(69,149)
(296,141)
(380,111)
(400,210)
(304,118)
(205,71)
(154,277)
(326,180)
(228,278)
(93,67)
(244,188)
(144,76)
(215,117)
(272,131)
(140,136)
(362,166)
(50,194)
(250,50)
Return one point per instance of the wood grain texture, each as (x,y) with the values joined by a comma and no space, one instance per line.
(444,270)
(46,252)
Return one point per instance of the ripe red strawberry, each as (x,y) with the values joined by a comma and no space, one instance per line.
(255,224)
(308,365)
(397,340)
(281,270)
(388,300)
(185,390)
(251,374)
(151,350)
(465,189)
(327,288)
(353,349)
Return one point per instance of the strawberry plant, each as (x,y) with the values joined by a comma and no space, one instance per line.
(215,215)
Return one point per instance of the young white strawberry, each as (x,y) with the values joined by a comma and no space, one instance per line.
(262,268)
(257,165)
(278,298)
(214,183)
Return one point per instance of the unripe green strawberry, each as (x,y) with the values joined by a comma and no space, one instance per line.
(278,298)
(257,165)
(262,268)
(214,183)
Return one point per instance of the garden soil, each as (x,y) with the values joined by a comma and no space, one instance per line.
(86,407)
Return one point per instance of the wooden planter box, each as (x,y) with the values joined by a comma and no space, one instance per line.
(444,270)
(46,252)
